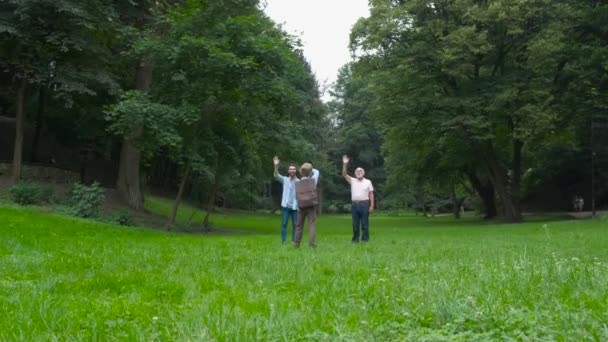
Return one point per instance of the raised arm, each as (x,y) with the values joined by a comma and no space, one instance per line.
(315,175)
(345,161)
(275,162)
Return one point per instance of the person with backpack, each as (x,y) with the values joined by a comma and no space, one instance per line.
(362,196)
(289,204)
(306,195)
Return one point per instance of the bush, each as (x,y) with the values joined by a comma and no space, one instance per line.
(85,200)
(263,202)
(336,207)
(28,193)
(122,218)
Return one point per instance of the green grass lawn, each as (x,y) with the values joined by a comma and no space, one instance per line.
(418,279)
(236,221)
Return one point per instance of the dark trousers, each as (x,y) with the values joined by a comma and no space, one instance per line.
(311,213)
(360,221)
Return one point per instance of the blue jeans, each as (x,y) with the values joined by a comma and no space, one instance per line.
(360,217)
(285,214)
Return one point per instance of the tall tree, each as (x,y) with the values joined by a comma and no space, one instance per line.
(53,42)
(249,86)
(467,72)
(140,16)
(354,131)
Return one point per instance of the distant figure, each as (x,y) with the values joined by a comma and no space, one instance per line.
(578,203)
(289,204)
(362,196)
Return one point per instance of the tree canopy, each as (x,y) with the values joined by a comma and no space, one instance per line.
(495,105)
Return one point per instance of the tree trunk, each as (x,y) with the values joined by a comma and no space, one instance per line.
(38,127)
(457,204)
(501,189)
(499,179)
(422,202)
(485,190)
(178,199)
(320,206)
(210,204)
(19,128)
(276,195)
(516,178)
(129,183)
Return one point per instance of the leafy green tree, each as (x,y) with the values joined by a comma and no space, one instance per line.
(57,44)
(354,132)
(474,74)
(250,89)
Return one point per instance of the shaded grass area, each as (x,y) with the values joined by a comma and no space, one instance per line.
(418,279)
(189,216)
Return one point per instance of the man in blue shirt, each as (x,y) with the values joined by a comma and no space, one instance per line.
(289,205)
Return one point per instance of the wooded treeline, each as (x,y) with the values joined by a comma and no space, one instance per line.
(495,105)
(505,99)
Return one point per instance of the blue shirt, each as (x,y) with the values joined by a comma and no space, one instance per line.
(289,192)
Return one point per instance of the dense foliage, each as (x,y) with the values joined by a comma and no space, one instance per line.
(497,105)
(491,96)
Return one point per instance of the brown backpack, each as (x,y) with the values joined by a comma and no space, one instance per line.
(306,193)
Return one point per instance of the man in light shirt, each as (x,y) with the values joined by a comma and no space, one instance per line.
(362,195)
(289,204)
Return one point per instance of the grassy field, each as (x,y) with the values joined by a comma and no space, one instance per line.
(239,222)
(418,279)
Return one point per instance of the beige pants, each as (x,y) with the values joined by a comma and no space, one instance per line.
(311,213)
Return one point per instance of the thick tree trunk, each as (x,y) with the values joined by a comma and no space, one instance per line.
(129,182)
(456,210)
(499,179)
(19,128)
(485,190)
(457,204)
(178,199)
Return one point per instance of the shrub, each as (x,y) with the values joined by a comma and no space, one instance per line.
(336,207)
(122,218)
(28,193)
(85,200)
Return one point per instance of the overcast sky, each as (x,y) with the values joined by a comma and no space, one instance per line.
(324,27)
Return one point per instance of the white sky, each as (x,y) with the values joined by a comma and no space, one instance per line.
(324,28)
